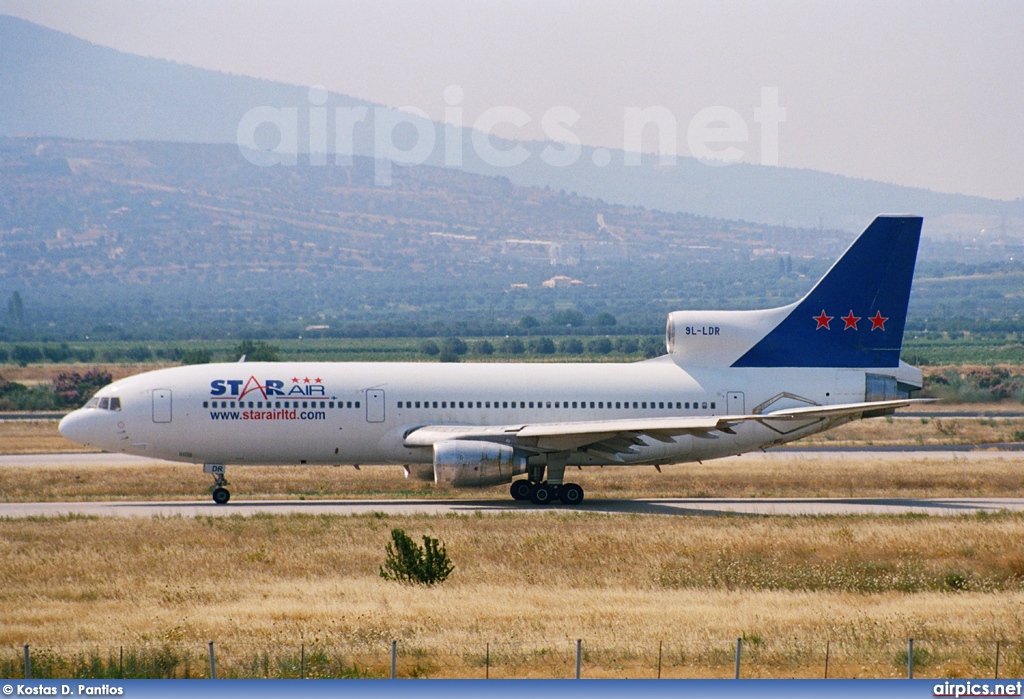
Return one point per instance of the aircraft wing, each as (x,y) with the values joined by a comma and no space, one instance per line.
(609,438)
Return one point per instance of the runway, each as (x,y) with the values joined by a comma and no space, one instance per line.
(655,506)
(441,506)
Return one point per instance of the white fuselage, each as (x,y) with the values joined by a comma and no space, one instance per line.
(359,413)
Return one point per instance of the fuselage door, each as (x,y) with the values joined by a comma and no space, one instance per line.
(162,405)
(374,405)
(734,403)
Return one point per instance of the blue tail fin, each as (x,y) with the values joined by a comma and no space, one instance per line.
(854,316)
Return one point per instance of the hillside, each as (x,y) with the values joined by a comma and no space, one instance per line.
(116,240)
(60,86)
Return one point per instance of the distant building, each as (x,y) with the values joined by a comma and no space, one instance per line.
(514,287)
(561,282)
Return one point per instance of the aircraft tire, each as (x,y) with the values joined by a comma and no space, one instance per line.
(221,496)
(541,494)
(520,490)
(570,494)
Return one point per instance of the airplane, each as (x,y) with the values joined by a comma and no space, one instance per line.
(731,382)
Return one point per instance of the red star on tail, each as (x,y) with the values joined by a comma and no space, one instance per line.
(850,320)
(878,322)
(823,320)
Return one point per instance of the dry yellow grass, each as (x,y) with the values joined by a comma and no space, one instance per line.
(529,585)
(35,437)
(897,431)
(775,474)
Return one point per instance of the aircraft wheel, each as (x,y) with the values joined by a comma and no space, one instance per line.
(221,496)
(570,494)
(520,490)
(541,494)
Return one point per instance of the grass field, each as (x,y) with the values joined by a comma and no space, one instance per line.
(529,585)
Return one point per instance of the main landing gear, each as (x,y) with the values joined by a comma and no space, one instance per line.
(541,491)
(220,493)
(546,493)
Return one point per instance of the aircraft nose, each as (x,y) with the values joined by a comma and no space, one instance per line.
(74,426)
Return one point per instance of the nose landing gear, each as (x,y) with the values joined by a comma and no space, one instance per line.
(220,493)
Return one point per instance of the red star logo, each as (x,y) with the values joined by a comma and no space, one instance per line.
(823,320)
(878,322)
(850,320)
(295,380)
(318,380)
(306,380)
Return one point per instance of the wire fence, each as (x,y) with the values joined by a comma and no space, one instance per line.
(748,657)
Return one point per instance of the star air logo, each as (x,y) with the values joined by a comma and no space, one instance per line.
(850,321)
(240,388)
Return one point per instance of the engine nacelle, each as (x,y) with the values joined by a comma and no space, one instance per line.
(464,463)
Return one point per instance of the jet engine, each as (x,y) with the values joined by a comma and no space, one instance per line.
(465,463)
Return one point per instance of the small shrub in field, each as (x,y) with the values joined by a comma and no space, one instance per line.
(409,562)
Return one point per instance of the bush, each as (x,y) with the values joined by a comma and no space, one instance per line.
(57,353)
(572,345)
(600,345)
(511,345)
(139,354)
(429,348)
(407,561)
(604,320)
(653,347)
(542,345)
(447,356)
(484,347)
(75,389)
(25,354)
(196,355)
(454,345)
(628,345)
(256,351)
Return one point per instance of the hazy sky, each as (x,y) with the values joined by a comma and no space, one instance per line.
(927,94)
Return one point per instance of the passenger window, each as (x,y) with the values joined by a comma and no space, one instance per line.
(444,404)
(487,404)
(435,403)
(591,404)
(331,404)
(461,405)
(644,404)
(661,405)
(206,404)
(618,404)
(705,405)
(357,404)
(600,404)
(232,404)
(712,406)
(556,403)
(531,403)
(504,404)
(574,404)
(417,404)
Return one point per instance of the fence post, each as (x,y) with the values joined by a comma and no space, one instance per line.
(827,648)
(394,658)
(659,659)
(120,663)
(487,663)
(579,654)
(28,664)
(213,663)
(910,658)
(739,647)
(997,660)
(302,662)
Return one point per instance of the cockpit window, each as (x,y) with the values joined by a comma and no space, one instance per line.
(105,403)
